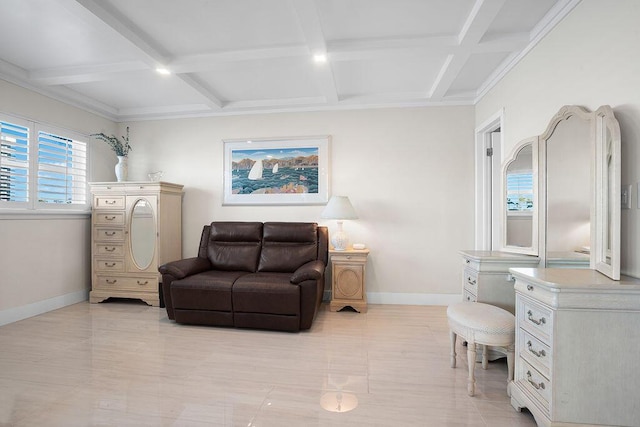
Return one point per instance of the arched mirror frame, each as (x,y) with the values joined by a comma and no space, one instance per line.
(152,233)
(605,146)
(562,116)
(533,249)
(606,250)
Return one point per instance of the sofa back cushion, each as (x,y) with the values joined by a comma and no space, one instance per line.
(235,246)
(288,245)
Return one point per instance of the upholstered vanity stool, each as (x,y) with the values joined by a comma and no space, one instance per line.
(481,324)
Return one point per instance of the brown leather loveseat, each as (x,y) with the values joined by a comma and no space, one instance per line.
(251,275)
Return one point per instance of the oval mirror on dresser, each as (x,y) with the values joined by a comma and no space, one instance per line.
(143,234)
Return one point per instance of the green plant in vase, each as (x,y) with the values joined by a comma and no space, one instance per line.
(121,148)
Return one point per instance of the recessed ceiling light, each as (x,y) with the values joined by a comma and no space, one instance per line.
(163,71)
(320,58)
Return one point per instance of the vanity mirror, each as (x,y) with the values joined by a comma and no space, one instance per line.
(560,193)
(520,216)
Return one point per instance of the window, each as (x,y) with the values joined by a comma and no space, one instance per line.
(520,192)
(41,167)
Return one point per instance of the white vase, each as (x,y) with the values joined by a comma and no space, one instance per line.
(122,169)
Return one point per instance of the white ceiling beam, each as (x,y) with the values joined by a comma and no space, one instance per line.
(310,25)
(478,22)
(148,53)
(84,74)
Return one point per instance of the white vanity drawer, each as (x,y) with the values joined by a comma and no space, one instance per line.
(469,263)
(534,351)
(534,382)
(128,283)
(102,218)
(470,280)
(468,296)
(108,202)
(107,234)
(106,264)
(534,318)
(115,249)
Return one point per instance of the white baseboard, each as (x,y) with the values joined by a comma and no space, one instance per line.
(406,299)
(11,315)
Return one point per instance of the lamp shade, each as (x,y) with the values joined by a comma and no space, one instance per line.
(339,207)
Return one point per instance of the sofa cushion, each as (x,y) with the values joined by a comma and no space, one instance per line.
(235,246)
(266,293)
(210,290)
(288,245)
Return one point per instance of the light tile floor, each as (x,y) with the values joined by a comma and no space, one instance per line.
(123,363)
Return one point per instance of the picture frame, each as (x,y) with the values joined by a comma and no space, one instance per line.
(276,171)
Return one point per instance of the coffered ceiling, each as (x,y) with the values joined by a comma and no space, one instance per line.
(248,56)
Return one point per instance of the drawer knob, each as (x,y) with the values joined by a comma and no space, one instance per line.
(536,385)
(468,262)
(110,202)
(109,218)
(110,233)
(540,353)
(542,320)
(109,249)
(470,281)
(146,282)
(109,264)
(112,282)
(529,287)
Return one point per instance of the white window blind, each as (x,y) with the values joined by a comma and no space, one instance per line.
(520,192)
(62,170)
(14,163)
(41,167)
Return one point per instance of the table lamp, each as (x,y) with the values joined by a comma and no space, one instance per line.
(339,208)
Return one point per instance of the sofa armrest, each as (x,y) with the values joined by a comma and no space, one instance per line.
(185,267)
(313,270)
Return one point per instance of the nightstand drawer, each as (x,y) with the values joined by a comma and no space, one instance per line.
(108,202)
(108,218)
(106,234)
(106,264)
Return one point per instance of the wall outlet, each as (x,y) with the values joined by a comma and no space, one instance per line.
(625,197)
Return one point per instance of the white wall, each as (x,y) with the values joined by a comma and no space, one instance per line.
(45,260)
(590,59)
(408,173)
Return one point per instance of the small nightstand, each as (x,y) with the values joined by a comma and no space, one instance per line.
(348,284)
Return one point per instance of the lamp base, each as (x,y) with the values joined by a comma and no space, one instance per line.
(340,240)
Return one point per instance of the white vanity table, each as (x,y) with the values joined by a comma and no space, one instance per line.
(486,278)
(578,319)
(577,347)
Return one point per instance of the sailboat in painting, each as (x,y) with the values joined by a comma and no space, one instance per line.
(275,169)
(256,171)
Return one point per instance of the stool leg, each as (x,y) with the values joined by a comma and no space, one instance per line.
(452,336)
(485,356)
(471,359)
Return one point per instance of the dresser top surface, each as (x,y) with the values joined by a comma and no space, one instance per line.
(574,278)
(497,255)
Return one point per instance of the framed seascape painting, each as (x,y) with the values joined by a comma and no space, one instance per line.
(276,171)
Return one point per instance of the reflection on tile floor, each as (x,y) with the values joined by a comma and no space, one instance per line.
(123,363)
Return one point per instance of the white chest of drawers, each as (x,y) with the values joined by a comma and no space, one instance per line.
(486,278)
(136,227)
(577,347)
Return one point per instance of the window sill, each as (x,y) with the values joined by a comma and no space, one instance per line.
(40,214)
